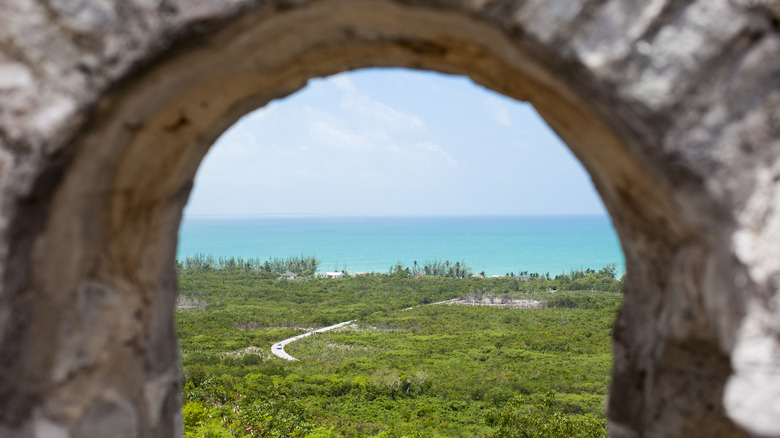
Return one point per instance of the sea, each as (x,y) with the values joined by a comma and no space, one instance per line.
(496,245)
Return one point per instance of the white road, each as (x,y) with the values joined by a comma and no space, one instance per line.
(432,304)
(278,348)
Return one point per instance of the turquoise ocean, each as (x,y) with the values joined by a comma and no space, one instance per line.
(494,244)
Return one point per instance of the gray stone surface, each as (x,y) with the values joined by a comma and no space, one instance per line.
(107,108)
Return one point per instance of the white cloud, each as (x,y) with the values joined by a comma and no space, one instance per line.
(438,150)
(349,136)
(343,83)
(329,135)
(361,136)
(327,130)
(259,115)
(499,110)
(373,112)
(372,134)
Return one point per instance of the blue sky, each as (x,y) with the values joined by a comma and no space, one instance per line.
(392,142)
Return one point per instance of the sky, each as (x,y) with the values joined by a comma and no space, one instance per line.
(387,142)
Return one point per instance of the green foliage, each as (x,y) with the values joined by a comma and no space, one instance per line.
(521,418)
(584,300)
(208,429)
(435,268)
(588,279)
(322,432)
(239,408)
(194,415)
(429,371)
(270,268)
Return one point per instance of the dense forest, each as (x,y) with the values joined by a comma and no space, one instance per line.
(429,371)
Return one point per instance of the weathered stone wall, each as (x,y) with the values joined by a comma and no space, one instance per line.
(107,108)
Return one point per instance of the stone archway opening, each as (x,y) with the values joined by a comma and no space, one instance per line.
(315,182)
(94,197)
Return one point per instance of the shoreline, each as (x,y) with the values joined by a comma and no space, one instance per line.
(497,245)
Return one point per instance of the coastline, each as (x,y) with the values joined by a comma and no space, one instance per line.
(496,245)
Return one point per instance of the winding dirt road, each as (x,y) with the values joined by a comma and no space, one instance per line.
(278,348)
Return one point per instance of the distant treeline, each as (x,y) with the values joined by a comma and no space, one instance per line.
(576,279)
(608,272)
(302,265)
(585,279)
(435,268)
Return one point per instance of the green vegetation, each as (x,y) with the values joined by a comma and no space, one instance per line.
(271,268)
(521,419)
(436,268)
(429,371)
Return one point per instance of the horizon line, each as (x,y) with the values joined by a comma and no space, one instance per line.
(434,215)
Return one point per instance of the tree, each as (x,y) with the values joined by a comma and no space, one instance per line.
(609,271)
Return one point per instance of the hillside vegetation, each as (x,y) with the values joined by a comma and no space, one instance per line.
(430,371)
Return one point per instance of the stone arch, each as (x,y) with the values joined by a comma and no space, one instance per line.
(108,109)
